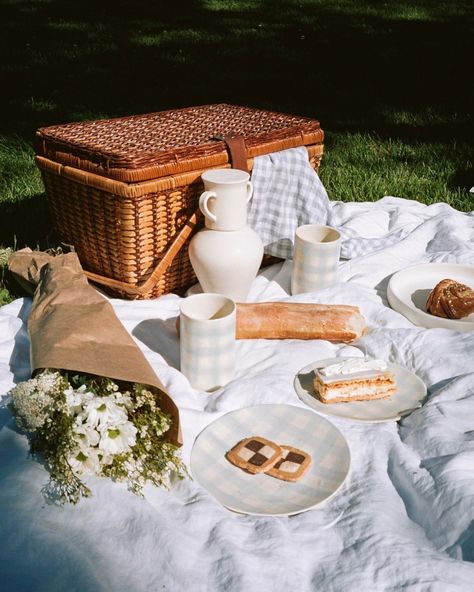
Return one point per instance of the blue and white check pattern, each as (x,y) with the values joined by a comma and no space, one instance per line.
(409,395)
(207,351)
(314,266)
(353,245)
(262,494)
(288,193)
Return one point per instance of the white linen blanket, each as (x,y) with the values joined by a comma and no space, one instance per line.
(403,520)
(288,193)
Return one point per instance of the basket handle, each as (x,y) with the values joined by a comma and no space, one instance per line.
(160,269)
(238,156)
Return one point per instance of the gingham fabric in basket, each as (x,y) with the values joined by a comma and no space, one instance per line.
(286,194)
(289,193)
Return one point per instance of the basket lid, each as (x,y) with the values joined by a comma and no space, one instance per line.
(143,147)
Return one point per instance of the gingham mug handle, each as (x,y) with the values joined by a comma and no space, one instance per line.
(249,190)
(203,205)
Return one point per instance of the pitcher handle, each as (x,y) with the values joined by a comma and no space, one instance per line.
(249,190)
(203,204)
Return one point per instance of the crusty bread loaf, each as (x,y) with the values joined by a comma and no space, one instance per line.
(296,320)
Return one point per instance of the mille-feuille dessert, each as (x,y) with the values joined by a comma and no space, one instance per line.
(254,454)
(292,465)
(451,300)
(354,379)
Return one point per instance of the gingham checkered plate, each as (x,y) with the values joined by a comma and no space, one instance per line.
(411,391)
(261,494)
(408,291)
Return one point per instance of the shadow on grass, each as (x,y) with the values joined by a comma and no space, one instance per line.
(463,178)
(394,69)
(27,223)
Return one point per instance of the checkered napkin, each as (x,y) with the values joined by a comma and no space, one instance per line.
(353,243)
(288,193)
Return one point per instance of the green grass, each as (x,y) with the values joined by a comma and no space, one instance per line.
(390,82)
(365,167)
(19,178)
(6,295)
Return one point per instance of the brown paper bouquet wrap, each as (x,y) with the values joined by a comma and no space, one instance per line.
(72,327)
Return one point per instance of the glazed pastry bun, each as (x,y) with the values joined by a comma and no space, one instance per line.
(451,300)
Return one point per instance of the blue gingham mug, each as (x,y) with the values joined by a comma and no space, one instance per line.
(315,258)
(207,340)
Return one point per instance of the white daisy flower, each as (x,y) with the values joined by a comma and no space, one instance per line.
(73,401)
(76,399)
(85,461)
(85,435)
(103,411)
(117,438)
(123,399)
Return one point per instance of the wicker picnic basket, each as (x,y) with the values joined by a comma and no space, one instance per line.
(124,192)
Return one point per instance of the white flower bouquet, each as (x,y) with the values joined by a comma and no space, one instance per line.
(84,425)
(94,405)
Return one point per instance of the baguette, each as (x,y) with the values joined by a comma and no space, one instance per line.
(296,320)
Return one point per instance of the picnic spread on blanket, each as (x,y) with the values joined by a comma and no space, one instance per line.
(302,425)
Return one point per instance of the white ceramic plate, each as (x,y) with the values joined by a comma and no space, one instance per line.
(408,290)
(409,396)
(261,494)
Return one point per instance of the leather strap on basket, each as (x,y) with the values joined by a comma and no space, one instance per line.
(237,150)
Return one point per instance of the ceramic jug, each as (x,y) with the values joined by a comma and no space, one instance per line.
(224,203)
(226,255)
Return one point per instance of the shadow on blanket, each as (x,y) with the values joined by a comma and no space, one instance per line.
(5,415)
(26,542)
(466,541)
(21,350)
(161,337)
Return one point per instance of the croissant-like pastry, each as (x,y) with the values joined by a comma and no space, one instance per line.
(451,300)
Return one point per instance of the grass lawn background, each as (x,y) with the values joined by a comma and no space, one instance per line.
(391,84)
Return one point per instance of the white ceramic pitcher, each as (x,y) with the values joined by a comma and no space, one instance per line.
(224,203)
(227,254)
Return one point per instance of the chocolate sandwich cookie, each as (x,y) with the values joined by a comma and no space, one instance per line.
(292,465)
(254,454)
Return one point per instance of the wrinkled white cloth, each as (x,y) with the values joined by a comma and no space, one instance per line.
(289,193)
(403,520)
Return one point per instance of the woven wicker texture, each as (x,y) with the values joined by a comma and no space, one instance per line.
(120,240)
(132,237)
(143,147)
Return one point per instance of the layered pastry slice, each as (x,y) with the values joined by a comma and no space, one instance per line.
(354,379)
